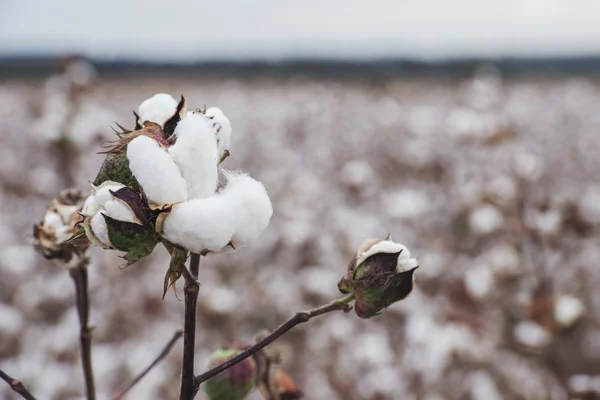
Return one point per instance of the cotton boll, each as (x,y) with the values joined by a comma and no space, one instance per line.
(532,335)
(201,224)
(568,310)
(100,230)
(253,208)
(156,171)
(158,108)
(485,219)
(195,152)
(223,126)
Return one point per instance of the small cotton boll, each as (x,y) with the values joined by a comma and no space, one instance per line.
(196,154)
(588,206)
(485,219)
(528,166)
(224,133)
(201,224)
(568,310)
(479,282)
(530,334)
(118,210)
(253,207)
(156,171)
(100,230)
(157,108)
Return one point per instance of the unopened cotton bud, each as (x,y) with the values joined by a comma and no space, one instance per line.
(235,382)
(222,125)
(157,108)
(195,152)
(156,171)
(381,274)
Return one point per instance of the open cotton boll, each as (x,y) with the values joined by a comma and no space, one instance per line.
(157,108)
(195,152)
(100,230)
(100,195)
(404,263)
(253,209)
(201,224)
(156,171)
(223,126)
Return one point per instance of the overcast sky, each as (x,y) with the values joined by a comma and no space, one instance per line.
(276,29)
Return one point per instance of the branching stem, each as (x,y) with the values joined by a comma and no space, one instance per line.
(17,386)
(298,318)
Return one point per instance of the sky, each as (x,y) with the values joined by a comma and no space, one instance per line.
(195,30)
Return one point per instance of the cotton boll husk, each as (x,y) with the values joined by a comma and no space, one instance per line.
(253,209)
(224,134)
(156,171)
(157,108)
(201,224)
(100,230)
(195,152)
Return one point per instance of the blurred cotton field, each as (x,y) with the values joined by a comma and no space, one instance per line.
(494,184)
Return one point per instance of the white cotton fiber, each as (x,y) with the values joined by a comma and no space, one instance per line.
(219,120)
(117,209)
(100,195)
(158,108)
(253,209)
(195,152)
(98,225)
(200,224)
(53,220)
(156,171)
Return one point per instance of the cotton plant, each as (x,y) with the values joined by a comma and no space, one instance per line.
(163,182)
(159,184)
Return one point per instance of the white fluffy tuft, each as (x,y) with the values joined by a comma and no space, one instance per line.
(118,210)
(156,171)
(195,152)
(158,108)
(100,195)
(98,225)
(200,224)
(223,125)
(253,209)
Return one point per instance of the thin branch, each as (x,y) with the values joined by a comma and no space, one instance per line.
(17,386)
(79,274)
(138,378)
(298,318)
(190,290)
